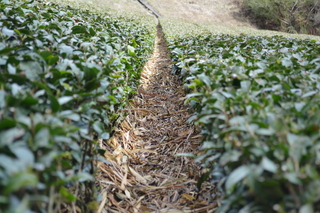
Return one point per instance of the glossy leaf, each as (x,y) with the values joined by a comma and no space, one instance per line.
(236,176)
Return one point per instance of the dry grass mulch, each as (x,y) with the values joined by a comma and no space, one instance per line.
(143,174)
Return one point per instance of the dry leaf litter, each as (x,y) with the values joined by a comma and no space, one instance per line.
(143,174)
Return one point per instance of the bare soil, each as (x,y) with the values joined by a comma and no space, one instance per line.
(142,172)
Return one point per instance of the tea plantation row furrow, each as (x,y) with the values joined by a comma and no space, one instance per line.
(257,100)
(65,75)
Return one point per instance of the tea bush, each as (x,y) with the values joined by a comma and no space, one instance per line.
(257,101)
(65,74)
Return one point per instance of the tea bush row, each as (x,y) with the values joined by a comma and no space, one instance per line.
(65,75)
(258,103)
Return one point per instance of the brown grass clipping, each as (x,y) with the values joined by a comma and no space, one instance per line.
(143,174)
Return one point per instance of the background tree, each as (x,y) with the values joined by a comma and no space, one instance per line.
(294,16)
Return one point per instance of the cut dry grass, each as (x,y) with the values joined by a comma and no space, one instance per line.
(195,11)
(192,17)
(143,174)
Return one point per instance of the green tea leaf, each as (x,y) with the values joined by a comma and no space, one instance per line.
(65,99)
(131,50)
(268,165)
(7,123)
(32,70)
(20,180)
(79,29)
(42,138)
(55,106)
(236,176)
(67,195)
(306,208)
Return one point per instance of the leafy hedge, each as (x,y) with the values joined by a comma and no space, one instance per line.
(258,102)
(64,76)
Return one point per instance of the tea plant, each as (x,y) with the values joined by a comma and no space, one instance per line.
(257,101)
(65,74)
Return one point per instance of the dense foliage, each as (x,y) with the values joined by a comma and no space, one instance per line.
(257,100)
(64,76)
(287,15)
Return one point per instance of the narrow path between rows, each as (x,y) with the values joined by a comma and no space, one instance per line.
(141,172)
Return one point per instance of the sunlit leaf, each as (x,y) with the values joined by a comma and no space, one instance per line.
(32,70)
(236,176)
(269,165)
(307,208)
(64,99)
(66,194)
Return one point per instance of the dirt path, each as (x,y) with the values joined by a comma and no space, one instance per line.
(141,172)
